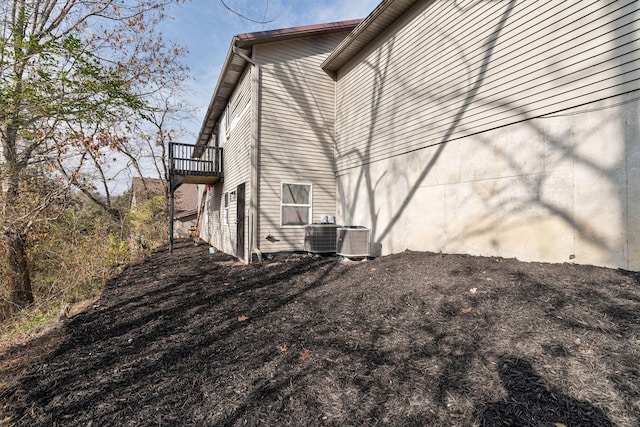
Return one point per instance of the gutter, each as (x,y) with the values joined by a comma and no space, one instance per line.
(200,142)
(382,16)
(234,48)
(246,42)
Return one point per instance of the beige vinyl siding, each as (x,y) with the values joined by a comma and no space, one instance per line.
(296,125)
(497,128)
(211,230)
(236,170)
(438,81)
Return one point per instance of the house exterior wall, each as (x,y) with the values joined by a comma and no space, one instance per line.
(236,169)
(182,227)
(496,128)
(297,113)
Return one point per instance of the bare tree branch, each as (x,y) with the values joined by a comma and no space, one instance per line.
(235,12)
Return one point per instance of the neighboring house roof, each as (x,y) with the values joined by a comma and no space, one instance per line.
(144,188)
(371,27)
(238,57)
(186,202)
(186,196)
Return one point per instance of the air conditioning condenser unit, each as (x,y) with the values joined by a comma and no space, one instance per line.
(353,241)
(320,238)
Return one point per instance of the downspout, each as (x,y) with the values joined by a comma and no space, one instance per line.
(334,139)
(253,175)
(255,129)
(235,50)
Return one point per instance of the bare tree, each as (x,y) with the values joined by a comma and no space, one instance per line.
(235,11)
(73,74)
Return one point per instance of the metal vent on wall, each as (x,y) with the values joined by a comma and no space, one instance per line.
(320,238)
(353,241)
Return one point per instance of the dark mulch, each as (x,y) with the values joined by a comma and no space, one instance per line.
(409,339)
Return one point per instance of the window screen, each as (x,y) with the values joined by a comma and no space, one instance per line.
(296,204)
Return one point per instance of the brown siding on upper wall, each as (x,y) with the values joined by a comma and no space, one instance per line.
(297,100)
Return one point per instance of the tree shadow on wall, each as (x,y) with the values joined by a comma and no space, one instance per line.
(380,231)
(530,402)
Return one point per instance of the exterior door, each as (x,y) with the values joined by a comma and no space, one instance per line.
(240,221)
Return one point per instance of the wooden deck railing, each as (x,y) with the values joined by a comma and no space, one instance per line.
(181,163)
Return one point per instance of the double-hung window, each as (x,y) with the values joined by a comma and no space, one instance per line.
(295,204)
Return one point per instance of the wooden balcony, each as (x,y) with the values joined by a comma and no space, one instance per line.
(185,169)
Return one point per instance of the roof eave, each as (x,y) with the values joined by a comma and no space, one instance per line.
(282,34)
(215,108)
(234,65)
(371,27)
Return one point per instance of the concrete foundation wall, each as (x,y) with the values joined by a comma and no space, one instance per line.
(556,189)
(496,128)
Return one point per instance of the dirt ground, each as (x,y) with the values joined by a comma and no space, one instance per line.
(420,339)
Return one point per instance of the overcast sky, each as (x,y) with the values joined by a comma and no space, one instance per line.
(206,27)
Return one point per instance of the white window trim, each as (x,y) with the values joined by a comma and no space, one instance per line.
(234,122)
(310,205)
(223,127)
(225,208)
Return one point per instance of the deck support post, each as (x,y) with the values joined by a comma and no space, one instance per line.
(189,164)
(172,200)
